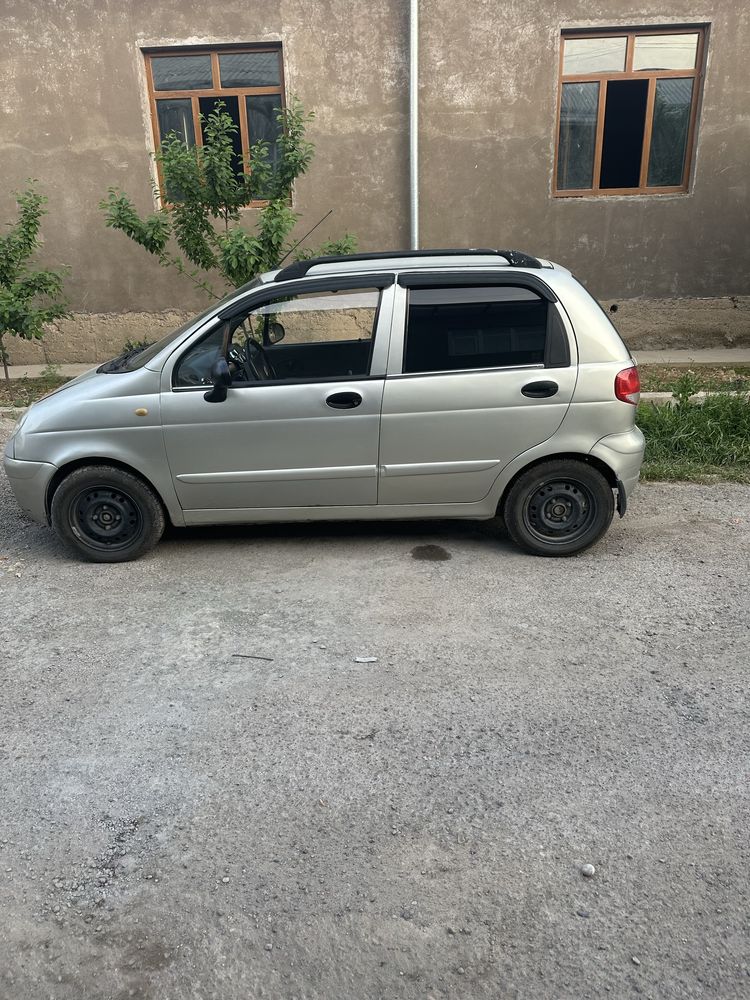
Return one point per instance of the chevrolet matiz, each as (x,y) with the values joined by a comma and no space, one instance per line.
(471,384)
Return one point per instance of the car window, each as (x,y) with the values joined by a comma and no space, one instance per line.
(457,328)
(315,335)
(194,367)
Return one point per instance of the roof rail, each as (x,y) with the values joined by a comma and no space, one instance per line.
(516,258)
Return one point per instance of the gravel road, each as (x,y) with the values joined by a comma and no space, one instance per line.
(181,822)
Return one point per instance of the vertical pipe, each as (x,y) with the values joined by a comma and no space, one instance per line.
(414,123)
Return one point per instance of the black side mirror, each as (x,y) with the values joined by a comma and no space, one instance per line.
(276,332)
(221,378)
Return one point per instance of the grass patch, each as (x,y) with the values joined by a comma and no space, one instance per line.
(706,378)
(697,442)
(25,391)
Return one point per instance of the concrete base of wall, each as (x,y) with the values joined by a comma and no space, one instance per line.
(92,337)
(644,324)
(669,324)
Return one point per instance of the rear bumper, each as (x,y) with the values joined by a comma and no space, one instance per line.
(623,453)
(29,482)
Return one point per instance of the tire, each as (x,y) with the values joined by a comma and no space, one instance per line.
(559,508)
(106,514)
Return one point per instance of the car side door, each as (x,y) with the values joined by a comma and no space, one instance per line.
(299,426)
(481,369)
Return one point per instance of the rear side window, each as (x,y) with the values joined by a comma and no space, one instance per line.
(455,328)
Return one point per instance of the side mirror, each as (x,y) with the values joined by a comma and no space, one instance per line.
(221,378)
(276,332)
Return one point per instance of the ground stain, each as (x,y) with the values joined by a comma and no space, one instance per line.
(430,553)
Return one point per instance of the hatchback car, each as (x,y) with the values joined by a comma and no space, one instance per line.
(432,384)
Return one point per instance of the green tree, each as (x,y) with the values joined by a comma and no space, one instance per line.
(205,193)
(29,297)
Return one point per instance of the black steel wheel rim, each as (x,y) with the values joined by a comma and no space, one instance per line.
(106,518)
(559,511)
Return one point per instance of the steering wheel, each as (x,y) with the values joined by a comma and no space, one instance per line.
(259,362)
(239,364)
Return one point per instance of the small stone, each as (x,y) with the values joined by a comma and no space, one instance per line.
(583,913)
(225,879)
(365,659)
(636,961)
(588,871)
(461,970)
(269,947)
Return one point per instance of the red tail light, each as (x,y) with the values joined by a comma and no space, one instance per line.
(628,385)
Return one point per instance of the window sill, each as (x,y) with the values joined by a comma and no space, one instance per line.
(622,194)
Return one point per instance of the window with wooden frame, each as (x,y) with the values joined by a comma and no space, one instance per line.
(627,110)
(184,84)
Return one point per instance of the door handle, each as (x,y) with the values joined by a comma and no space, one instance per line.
(344,400)
(540,390)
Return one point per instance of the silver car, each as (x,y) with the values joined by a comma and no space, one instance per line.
(444,383)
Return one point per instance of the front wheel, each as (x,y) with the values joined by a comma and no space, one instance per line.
(559,508)
(106,514)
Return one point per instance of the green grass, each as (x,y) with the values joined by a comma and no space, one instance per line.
(704,378)
(697,442)
(16,392)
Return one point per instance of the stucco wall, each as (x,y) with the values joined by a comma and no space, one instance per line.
(489,88)
(75,117)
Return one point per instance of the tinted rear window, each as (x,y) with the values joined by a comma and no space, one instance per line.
(452,329)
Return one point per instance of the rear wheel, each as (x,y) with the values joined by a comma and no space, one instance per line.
(559,508)
(107,514)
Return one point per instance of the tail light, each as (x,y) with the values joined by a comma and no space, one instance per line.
(628,385)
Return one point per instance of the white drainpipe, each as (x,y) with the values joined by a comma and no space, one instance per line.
(414,123)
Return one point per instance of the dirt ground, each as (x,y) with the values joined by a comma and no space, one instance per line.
(205,794)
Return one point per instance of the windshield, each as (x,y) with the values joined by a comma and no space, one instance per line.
(140,354)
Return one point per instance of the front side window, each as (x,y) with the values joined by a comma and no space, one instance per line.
(454,329)
(627,111)
(185,84)
(315,336)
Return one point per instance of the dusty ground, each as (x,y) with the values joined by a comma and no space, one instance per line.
(180,823)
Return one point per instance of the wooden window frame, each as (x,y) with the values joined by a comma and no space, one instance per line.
(697,73)
(216,90)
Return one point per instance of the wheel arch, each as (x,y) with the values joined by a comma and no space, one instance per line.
(591,460)
(80,463)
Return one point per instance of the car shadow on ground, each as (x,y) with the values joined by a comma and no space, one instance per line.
(438,532)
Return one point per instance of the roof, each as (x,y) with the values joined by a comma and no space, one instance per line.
(401,259)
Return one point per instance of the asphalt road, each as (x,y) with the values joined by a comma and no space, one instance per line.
(183,823)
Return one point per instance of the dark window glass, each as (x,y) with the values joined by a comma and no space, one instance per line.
(666,162)
(176,115)
(575,157)
(624,121)
(182,72)
(262,124)
(231,107)
(451,329)
(250,69)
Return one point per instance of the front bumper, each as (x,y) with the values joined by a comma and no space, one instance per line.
(29,482)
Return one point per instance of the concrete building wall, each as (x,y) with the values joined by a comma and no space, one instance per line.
(75,117)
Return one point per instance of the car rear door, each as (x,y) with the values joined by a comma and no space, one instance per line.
(480,370)
(303,436)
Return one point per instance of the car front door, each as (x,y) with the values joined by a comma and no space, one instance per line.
(478,374)
(299,426)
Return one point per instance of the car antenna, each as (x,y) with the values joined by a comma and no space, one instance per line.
(329,212)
